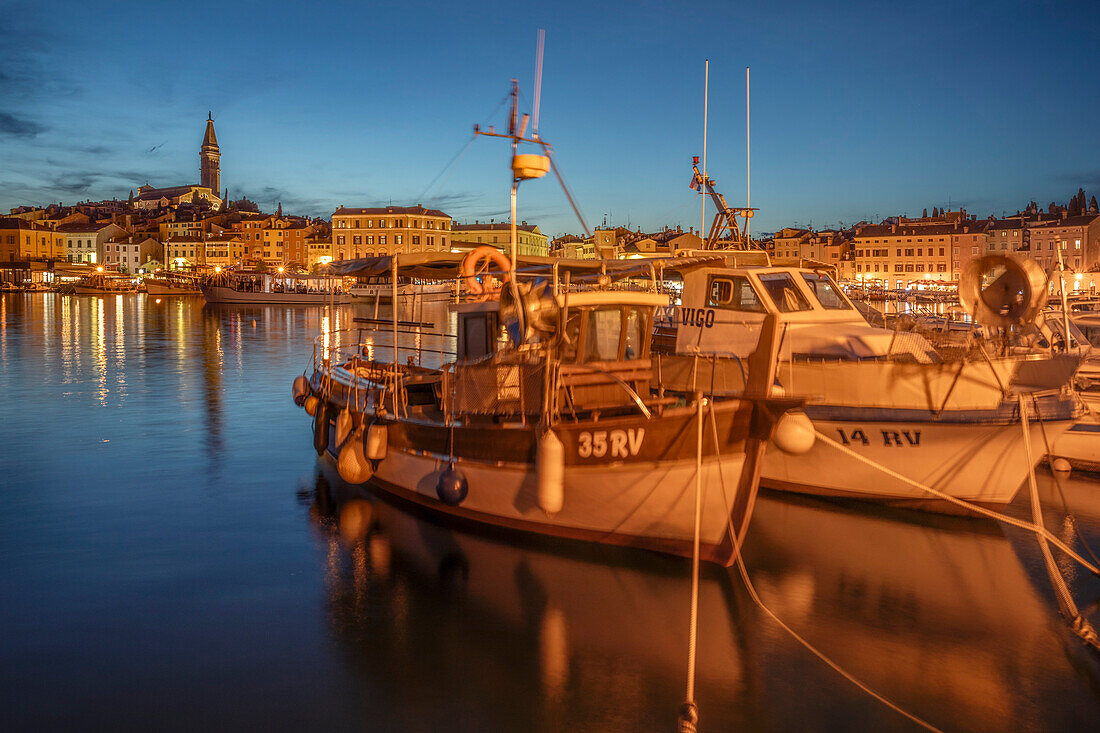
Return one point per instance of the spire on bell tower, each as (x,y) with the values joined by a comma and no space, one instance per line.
(209,157)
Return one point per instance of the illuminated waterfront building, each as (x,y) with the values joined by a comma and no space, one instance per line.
(183,252)
(84,242)
(1076,237)
(389,230)
(223,250)
(529,240)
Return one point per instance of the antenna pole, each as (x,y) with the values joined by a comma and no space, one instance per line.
(538,83)
(748,177)
(515,181)
(706,85)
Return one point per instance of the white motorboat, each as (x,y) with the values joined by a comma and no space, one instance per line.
(891,415)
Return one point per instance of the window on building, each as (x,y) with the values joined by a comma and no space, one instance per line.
(382,239)
(340,239)
(973,250)
(397,239)
(899,268)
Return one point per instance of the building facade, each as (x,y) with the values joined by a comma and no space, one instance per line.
(529,240)
(389,230)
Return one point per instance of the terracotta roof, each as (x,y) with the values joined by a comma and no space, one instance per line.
(887,230)
(152,194)
(418,210)
(1069,221)
(78,227)
(494,227)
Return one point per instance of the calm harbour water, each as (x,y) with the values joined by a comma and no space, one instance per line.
(173,558)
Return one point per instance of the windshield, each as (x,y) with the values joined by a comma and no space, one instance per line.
(826,291)
(784,293)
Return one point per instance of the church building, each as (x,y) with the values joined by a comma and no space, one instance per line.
(207,189)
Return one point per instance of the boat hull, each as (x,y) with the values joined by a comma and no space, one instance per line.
(160,289)
(984,463)
(639,492)
(220,294)
(88,290)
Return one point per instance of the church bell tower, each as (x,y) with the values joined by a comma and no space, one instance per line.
(209,155)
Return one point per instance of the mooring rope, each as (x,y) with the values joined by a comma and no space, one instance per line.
(689,712)
(1081,626)
(977,509)
(744,572)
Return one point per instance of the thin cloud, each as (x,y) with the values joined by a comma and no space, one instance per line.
(14,126)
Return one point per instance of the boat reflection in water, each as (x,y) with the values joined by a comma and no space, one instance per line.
(938,614)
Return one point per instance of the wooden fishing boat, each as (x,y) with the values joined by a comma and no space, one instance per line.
(553,429)
(101,283)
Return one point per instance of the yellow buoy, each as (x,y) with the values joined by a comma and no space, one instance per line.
(550,470)
(311,405)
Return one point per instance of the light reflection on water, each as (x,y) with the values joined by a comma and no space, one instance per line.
(171,553)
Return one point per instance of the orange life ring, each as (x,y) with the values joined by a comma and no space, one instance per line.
(470,268)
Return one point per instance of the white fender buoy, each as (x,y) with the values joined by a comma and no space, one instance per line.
(311,405)
(550,470)
(300,389)
(344,425)
(352,464)
(1061,465)
(794,434)
(377,439)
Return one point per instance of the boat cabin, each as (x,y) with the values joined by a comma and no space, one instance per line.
(596,343)
(723,308)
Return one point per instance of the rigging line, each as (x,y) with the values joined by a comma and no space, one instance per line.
(794,634)
(1061,493)
(454,161)
(565,188)
(977,509)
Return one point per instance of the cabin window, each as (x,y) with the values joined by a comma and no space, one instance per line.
(825,290)
(634,338)
(604,329)
(784,293)
(733,292)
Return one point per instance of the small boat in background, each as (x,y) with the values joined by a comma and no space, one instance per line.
(101,283)
(267,288)
(173,283)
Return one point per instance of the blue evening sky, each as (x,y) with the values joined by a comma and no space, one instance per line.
(859,110)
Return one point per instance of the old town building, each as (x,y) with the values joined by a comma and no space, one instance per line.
(529,240)
(389,230)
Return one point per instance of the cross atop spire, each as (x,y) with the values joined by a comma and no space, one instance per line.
(210,116)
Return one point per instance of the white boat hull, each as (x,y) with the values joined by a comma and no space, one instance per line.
(976,462)
(647,505)
(220,294)
(159,288)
